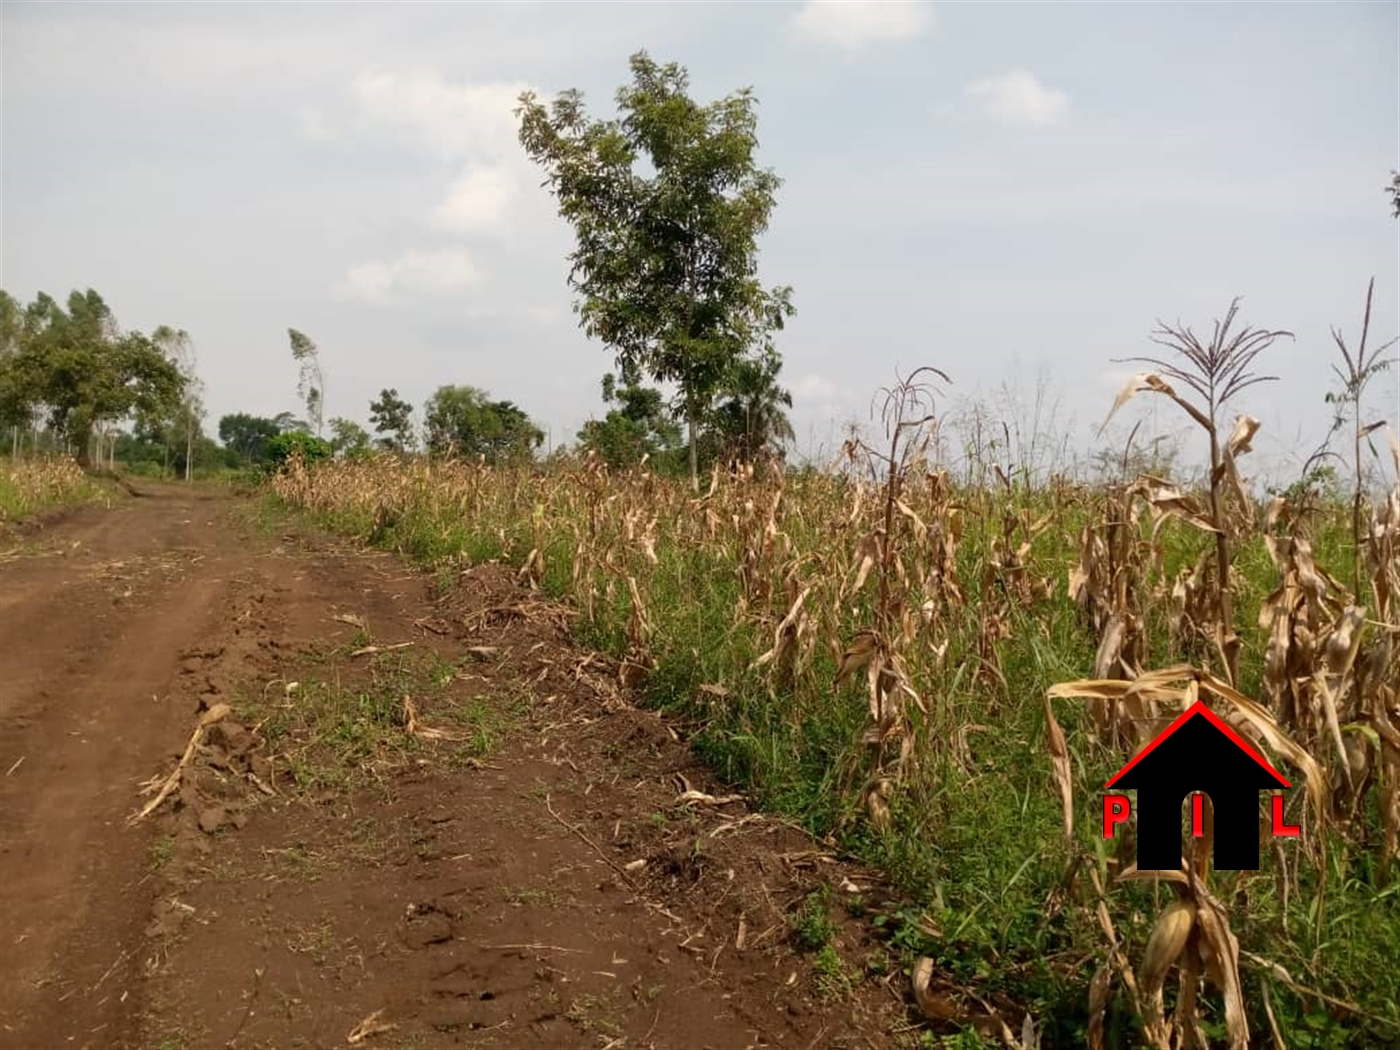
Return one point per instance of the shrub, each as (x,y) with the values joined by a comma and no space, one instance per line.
(306,447)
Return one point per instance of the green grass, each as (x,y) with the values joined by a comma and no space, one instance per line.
(344,727)
(812,925)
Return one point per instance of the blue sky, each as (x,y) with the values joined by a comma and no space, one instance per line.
(1011,192)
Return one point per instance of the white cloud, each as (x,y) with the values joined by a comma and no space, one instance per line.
(1018,97)
(855,23)
(313,126)
(415,273)
(478,200)
(817,397)
(453,119)
(468,124)
(815,388)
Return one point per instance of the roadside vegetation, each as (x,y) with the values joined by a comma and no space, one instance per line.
(870,651)
(30,485)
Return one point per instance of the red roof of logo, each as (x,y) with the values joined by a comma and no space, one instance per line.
(1200,709)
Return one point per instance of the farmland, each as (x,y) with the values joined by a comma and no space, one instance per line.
(30,486)
(897,662)
(922,680)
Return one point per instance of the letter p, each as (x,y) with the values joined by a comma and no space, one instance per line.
(1116,810)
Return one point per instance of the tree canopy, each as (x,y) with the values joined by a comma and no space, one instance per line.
(463,420)
(667,203)
(348,437)
(77,369)
(248,435)
(751,418)
(638,425)
(391,416)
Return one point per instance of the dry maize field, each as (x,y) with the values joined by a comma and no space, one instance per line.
(939,679)
(29,485)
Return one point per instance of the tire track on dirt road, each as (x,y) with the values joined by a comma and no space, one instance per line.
(90,644)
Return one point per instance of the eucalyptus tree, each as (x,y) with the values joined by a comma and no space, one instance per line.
(311,380)
(184,425)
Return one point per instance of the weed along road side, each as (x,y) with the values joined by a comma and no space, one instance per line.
(261,788)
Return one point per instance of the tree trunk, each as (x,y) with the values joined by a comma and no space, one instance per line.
(691,413)
(189,449)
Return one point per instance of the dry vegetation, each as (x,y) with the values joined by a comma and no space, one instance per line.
(30,485)
(940,679)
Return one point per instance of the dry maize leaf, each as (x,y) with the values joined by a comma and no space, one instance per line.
(856,656)
(371,1025)
(638,623)
(1164,947)
(1263,723)
(1186,1018)
(785,632)
(1110,646)
(1345,640)
(877,802)
(869,549)
(1029,1038)
(934,1005)
(1361,742)
(702,798)
(920,529)
(1322,690)
(1274,1031)
(1245,429)
(1090,689)
(1133,874)
(1173,503)
(1238,445)
(1099,988)
(1152,686)
(1059,758)
(1223,950)
(1134,386)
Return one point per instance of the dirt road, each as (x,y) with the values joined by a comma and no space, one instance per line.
(423,818)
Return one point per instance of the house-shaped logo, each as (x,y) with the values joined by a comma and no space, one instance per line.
(1198,754)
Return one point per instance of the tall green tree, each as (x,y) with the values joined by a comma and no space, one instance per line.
(347,436)
(247,436)
(84,373)
(637,426)
(16,413)
(751,418)
(392,419)
(288,423)
(311,381)
(667,204)
(463,420)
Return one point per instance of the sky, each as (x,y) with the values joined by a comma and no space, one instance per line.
(1013,193)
